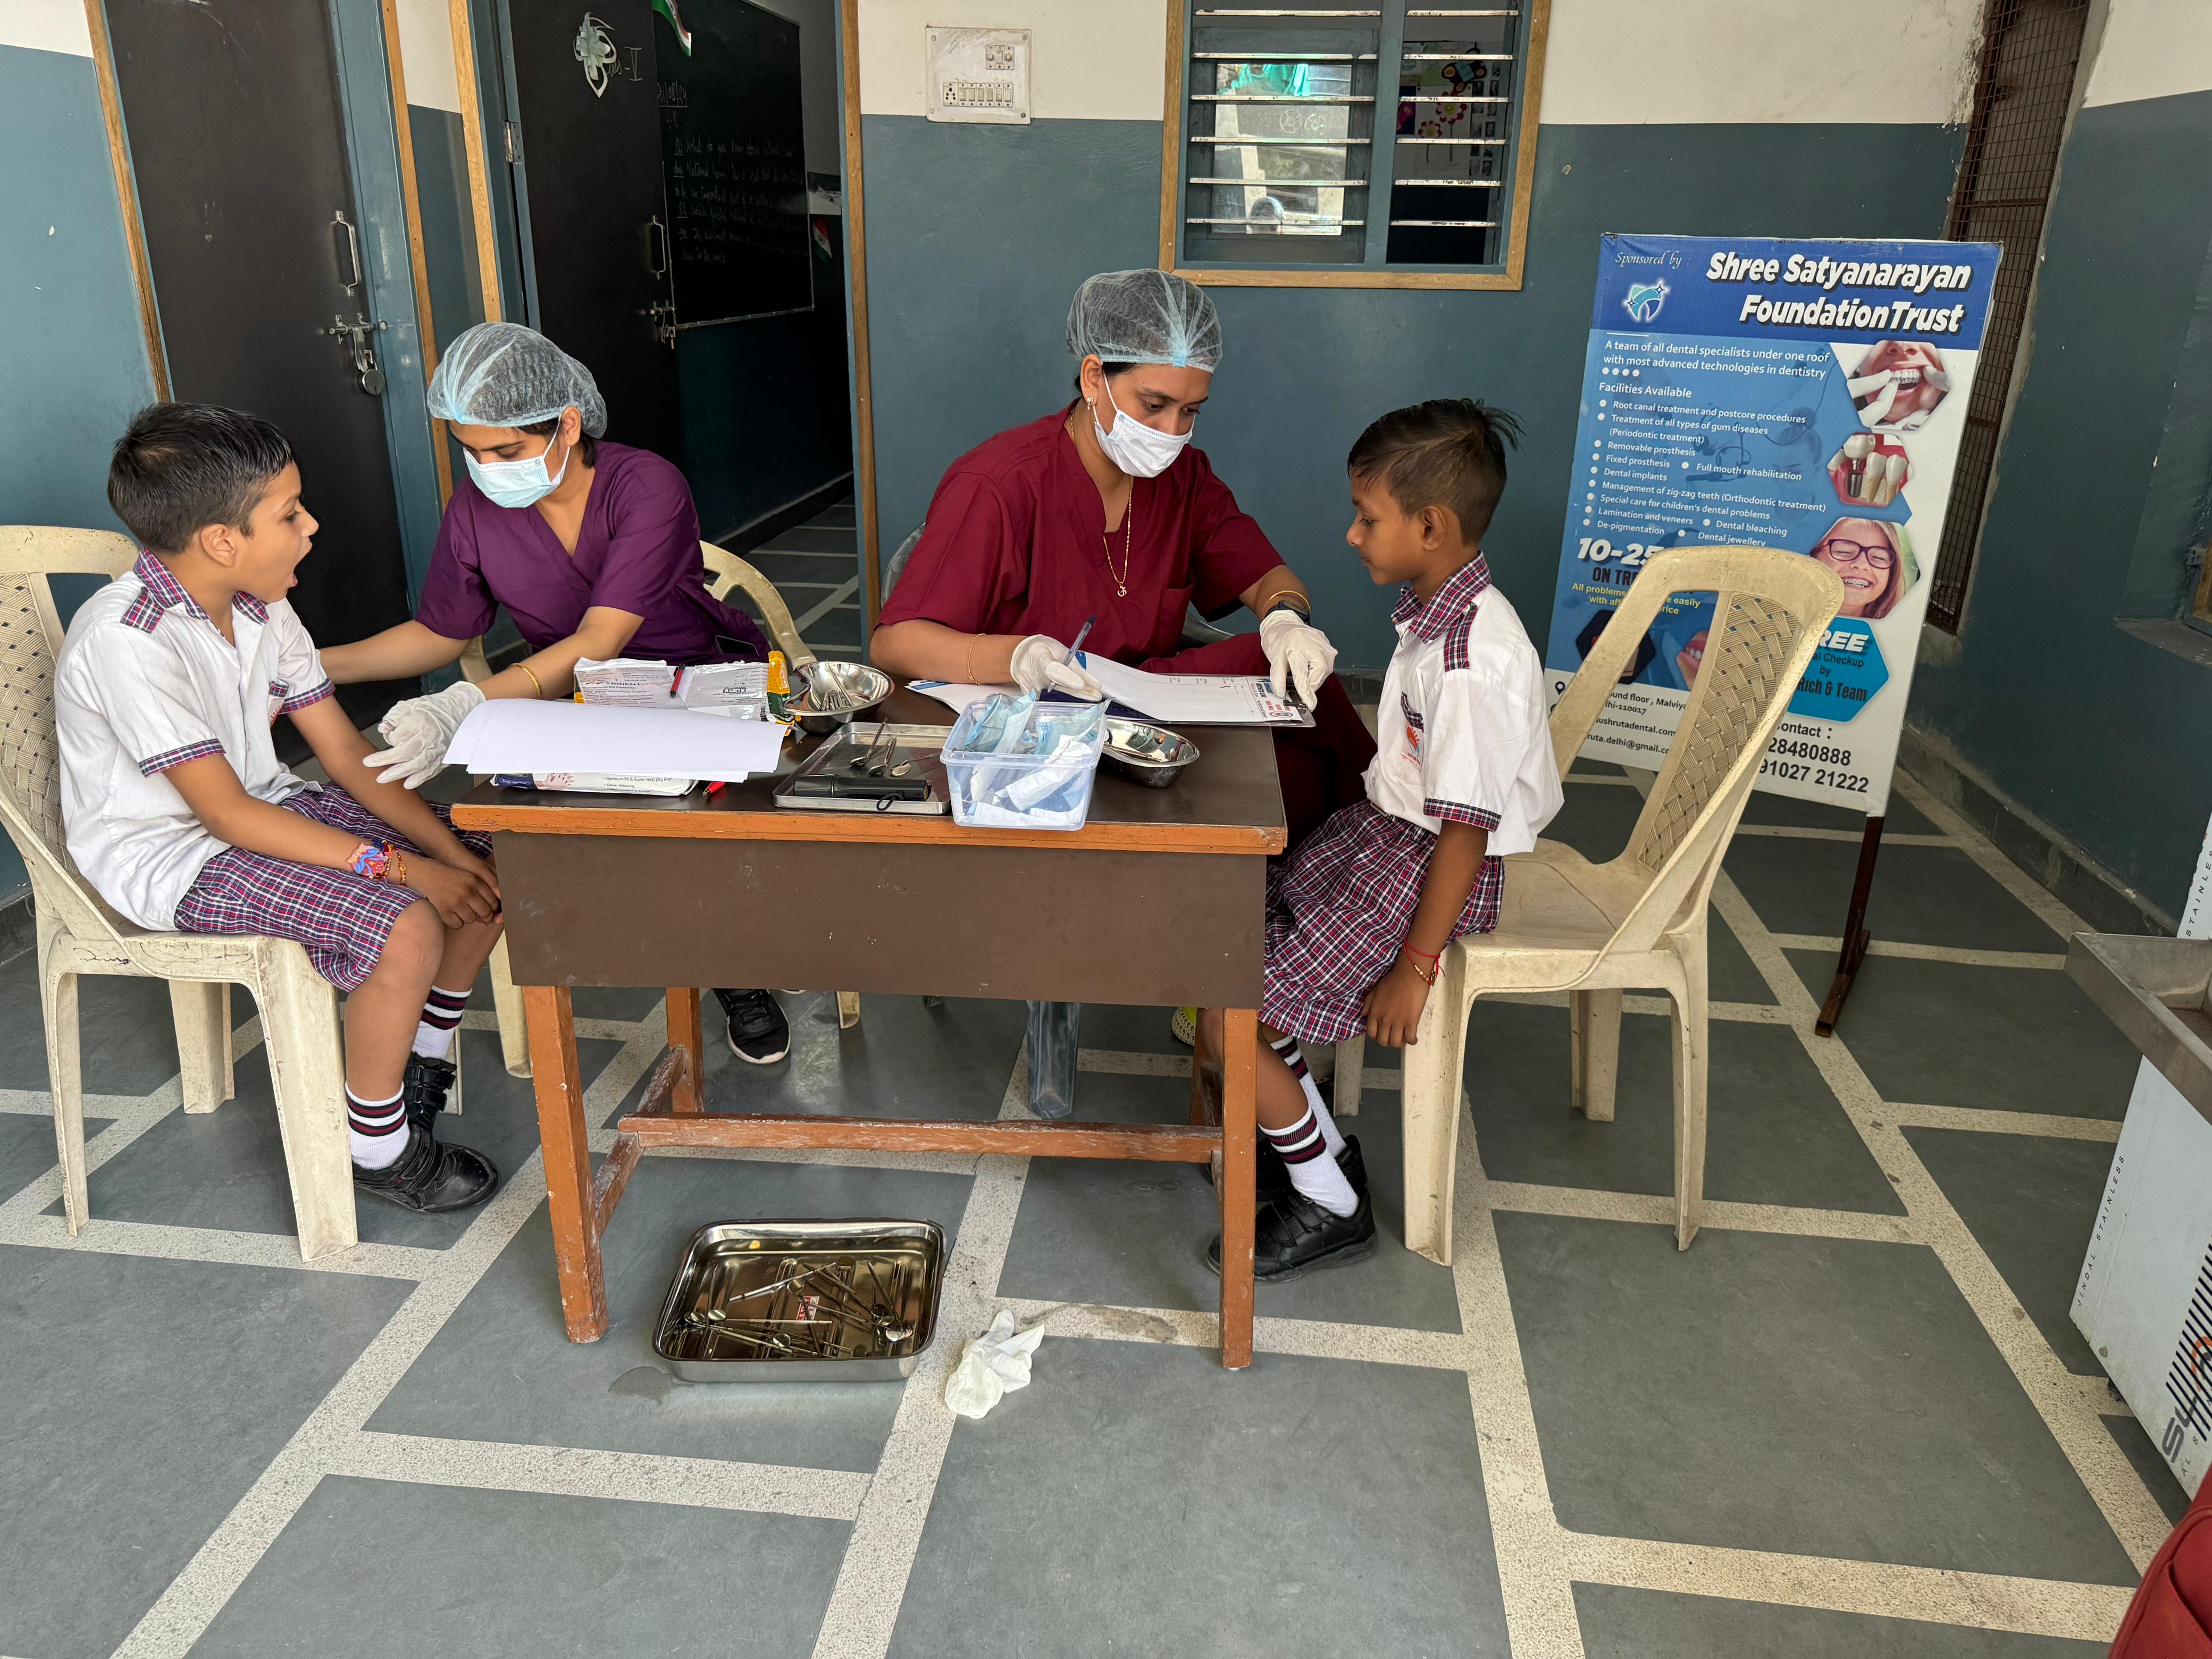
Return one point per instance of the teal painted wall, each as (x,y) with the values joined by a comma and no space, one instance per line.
(72,361)
(977,237)
(2106,737)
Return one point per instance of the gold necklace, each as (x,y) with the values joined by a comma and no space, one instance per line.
(1106,540)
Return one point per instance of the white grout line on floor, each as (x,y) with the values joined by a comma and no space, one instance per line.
(1899,948)
(182,1613)
(622,1477)
(1811,832)
(1991,1121)
(2031,1607)
(872,1579)
(823,607)
(2053,911)
(213,1244)
(1658,1208)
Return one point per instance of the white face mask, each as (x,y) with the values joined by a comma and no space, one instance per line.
(1141,451)
(517,484)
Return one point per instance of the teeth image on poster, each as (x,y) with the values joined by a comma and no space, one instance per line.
(1804,396)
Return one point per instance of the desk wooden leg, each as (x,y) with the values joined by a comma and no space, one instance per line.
(566,1143)
(1239,1128)
(684,1036)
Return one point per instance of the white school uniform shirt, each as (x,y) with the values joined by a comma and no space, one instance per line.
(146,682)
(1462,731)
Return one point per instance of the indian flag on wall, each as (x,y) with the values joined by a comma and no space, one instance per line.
(667,9)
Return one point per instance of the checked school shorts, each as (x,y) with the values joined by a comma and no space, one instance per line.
(343,919)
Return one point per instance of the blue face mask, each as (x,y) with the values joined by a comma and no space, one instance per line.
(516,483)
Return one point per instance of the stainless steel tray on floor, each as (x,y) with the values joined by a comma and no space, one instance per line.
(803,1301)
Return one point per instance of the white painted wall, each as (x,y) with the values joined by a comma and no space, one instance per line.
(2153,49)
(426,55)
(1607,62)
(1882,62)
(46,25)
(1098,60)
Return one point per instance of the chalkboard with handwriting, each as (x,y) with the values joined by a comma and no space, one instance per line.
(732,153)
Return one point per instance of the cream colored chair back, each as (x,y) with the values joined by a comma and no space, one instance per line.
(30,756)
(727,570)
(1772,611)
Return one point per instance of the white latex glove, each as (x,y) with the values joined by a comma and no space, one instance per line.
(992,1366)
(418,731)
(1040,661)
(1298,653)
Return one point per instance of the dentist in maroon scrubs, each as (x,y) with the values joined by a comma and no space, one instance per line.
(1104,510)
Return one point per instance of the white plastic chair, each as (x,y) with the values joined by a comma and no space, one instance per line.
(1639,921)
(725,571)
(78,933)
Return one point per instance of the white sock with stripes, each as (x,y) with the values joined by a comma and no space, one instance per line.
(1294,1057)
(1313,1169)
(378,1129)
(441,1017)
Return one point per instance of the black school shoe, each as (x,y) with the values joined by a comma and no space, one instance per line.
(1293,1235)
(431,1176)
(424,1090)
(759,1034)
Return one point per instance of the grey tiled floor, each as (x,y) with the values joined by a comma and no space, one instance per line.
(1854,1418)
(817,569)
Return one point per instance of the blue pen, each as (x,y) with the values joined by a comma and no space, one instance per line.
(1075,652)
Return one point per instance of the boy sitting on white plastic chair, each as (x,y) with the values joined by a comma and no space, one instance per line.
(178,813)
(1462,775)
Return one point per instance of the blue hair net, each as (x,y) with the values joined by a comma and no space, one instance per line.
(1143,317)
(505,374)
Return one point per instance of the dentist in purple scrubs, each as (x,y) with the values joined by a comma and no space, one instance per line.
(592,546)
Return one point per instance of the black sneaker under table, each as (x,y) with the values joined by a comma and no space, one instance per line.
(1293,1235)
(424,1090)
(759,1034)
(431,1176)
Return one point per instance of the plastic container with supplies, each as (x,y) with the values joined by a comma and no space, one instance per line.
(1023,763)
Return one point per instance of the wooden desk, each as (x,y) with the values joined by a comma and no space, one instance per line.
(1159,900)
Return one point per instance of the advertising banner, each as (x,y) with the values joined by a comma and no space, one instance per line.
(1806,396)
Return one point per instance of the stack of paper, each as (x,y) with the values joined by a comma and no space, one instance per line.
(1172,699)
(511,735)
(627,683)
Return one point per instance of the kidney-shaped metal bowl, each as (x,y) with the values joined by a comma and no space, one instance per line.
(1152,754)
(835,692)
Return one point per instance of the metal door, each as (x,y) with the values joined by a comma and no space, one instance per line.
(238,142)
(586,103)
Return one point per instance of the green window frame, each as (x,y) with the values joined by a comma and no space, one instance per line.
(1291,158)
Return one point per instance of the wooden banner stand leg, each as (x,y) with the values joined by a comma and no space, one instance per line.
(1855,933)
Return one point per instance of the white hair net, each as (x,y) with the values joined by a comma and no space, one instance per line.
(1143,317)
(505,374)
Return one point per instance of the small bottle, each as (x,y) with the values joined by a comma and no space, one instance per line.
(779,689)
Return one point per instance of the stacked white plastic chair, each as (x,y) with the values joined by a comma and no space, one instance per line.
(1636,922)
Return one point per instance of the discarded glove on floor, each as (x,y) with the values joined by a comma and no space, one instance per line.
(991,1365)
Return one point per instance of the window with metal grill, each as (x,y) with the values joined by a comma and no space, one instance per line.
(1387,144)
(2023,96)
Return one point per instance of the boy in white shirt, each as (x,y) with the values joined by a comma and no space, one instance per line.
(178,813)
(1462,775)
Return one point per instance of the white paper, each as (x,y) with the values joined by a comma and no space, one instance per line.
(1173,699)
(511,734)
(957,695)
(1196,699)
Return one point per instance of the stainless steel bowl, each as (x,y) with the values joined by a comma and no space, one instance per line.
(1152,754)
(833,692)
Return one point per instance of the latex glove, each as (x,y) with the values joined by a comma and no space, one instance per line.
(418,731)
(1040,661)
(1297,654)
(992,1366)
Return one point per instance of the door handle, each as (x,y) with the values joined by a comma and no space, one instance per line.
(658,268)
(350,245)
